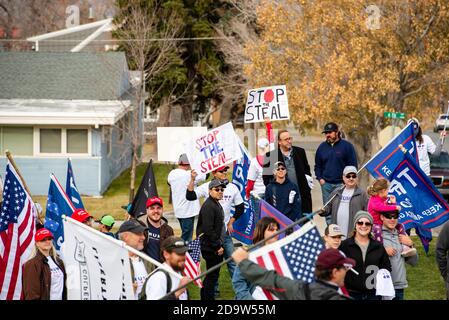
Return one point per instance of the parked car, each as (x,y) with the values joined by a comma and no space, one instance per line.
(440,122)
(439,172)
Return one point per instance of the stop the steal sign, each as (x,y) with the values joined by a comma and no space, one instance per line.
(268,102)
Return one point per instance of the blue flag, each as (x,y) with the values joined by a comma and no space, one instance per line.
(267,210)
(71,189)
(58,203)
(388,158)
(422,205)
(244,226)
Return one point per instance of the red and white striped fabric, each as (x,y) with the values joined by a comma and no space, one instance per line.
(192,268)
(17,229)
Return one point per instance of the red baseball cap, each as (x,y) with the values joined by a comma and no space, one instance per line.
(221,168)
(42,233)
(333,258)
(154,200)
(80,215)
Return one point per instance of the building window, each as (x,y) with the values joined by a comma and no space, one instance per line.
(77,141)
(107,139)
(50,141)
(18,140)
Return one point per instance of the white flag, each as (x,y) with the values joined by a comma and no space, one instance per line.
(97,269)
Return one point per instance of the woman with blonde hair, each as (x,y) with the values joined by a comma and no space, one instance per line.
(44,274)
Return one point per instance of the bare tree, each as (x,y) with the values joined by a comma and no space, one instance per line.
(147,32)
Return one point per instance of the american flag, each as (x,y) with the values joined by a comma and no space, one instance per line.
(293,256)
(17,228)
(192,268)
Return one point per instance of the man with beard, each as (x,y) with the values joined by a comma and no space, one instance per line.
(161,282)
(331,157)
(157,228)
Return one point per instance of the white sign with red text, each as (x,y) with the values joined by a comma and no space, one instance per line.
(216,148)
(267,102)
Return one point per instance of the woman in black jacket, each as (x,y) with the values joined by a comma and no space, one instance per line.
(370,257)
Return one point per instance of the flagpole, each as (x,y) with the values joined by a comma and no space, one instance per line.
(11,160)
(121,244)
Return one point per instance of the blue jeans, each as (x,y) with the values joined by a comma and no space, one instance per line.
(186,228)
(228,247)
(399,294)
(326,190)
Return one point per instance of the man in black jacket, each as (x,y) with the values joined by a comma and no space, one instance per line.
(297,167)
(210,231)
(442,252)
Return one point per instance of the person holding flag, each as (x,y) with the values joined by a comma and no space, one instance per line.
(44,275)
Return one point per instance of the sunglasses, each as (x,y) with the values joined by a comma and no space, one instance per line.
(390,216)
(280,169)
(178,244)
(223,171)
(272,228)
(361,223)
(351,176)
(219,189)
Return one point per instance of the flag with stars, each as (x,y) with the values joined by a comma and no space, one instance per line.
(192,268)
(17,228)
(293,256)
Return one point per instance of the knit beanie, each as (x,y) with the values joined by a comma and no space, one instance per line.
(362,214)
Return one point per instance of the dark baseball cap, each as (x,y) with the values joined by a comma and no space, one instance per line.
(174,244)
(329,127)
(217,183)
(333,258)
(133,226)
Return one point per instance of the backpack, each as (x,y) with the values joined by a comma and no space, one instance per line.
(143,293)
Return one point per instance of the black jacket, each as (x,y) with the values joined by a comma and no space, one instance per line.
(442,252)
(301,167)
(210,225)
(376,259)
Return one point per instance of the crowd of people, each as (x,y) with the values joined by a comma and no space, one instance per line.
(362,234)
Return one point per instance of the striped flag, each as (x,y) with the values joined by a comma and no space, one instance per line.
(293,256)
(17,228)
(192,268)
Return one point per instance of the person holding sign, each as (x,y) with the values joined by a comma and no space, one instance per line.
(298,169)
(185,210)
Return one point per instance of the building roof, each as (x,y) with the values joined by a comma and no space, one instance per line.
(62,112)
(63,75)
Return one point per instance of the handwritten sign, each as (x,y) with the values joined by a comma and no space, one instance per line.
(216,148)
(267,102)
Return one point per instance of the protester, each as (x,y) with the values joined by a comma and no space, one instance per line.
(393,243)
(106,223)
(347,201)
(82,216)
(330,270)
(255,187)
(157,229)
(332,236)
(210,231)
(442,255)
(184,210)
(283,194)
(298,169)
(331,157)
(160,282)
(132,232)
(380,202)
(265,227)
(231,199)
(370,256)
(424,146)
(44,276)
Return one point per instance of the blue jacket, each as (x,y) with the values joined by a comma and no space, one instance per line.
(278,195)
(330,160)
